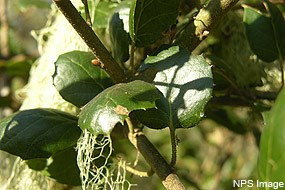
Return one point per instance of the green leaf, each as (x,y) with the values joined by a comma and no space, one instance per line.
(278,25)
(165,54)
(186,82)
(150,18)
(155,118)
(271,162)
(119,37)
(103,11)
(265,32)
(62,167)
(38,133)
(114,104)
(77,80)
(163,60)
(37,164)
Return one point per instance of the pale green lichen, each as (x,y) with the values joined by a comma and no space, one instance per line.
(40,91)
(97,171)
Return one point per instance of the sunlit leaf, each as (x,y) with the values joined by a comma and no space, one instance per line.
(271,162)
(38,133)
(77,80)
(114,104)
(185,81)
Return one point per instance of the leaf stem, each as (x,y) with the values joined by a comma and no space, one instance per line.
(173,140)
(91,39)
(173,146)
(132,58)
(130,124)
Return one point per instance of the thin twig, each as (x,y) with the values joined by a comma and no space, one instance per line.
(137,159)
(86,8)
(91,39)
(133,170)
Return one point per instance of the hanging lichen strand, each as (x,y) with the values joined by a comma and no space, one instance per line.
(96,168)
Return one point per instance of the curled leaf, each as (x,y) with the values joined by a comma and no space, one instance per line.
(114,104)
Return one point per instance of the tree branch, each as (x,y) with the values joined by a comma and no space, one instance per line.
(91,39)
(165,172)
(158,164)
(204,22)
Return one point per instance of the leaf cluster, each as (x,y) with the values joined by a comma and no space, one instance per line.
(167,86)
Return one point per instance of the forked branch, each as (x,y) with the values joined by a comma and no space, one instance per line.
(207,18)
(158,164)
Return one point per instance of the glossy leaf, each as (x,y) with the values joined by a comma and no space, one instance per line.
(119,37)
(77,80)
(150,18)
(185,81)
(164,59)
(265,32)
(114,104)
(38,133)
(271,162)
(155,118)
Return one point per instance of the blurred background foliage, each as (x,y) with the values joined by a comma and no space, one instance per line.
(223,147)
(18,47)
